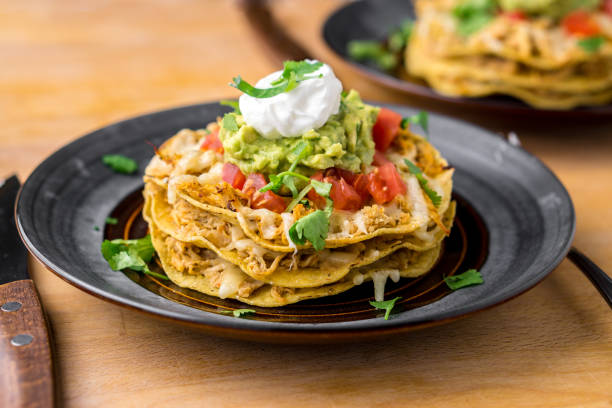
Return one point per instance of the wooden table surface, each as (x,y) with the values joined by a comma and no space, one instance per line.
(71,66)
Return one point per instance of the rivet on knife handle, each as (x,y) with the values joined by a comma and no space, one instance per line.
(25,354)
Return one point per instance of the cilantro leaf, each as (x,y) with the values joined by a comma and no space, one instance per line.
(131,253)
(298,198)
(239,312)
(416,171)
(301,150)
(472,15)
(229,122)
(120,164)
(111,221)
(591,44)
(399,38)
(232,104)
(299,69)
(293,73)
(365,50)
(96,228)
(313,227)
(421,119)
(467,278)
(322,189)
(386,305)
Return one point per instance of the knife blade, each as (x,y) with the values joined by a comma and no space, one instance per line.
(25,349)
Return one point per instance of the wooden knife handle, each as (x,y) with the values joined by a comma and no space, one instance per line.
(27,378)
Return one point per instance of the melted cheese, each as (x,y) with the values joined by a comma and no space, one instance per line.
(359,221)
(214,175)
(358,279)
(419,211)
(380,279)
(174,181)
(268,223)
(230,281)
(287,223)
(340,257)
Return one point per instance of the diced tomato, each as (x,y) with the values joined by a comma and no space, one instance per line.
(580,23)
(385,183)
(270,201)
(517,15)
(343,195)
(361,187)
(385,129)
(392,179)
(349,176)
(212,142)
(377,188)
(232,175)
(607,6)
(253,183)
(379,159)
(313,196)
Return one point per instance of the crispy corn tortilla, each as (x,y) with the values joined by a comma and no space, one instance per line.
(208,274)
(307,268)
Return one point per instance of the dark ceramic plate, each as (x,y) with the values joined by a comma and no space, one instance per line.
(373,19)
(515,223)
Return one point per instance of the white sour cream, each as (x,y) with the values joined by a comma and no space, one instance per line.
(292,113)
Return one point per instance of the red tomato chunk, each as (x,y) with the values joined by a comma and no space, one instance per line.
(268,200)
(212,142)
(343,195)
(232,175)
(385,183)
(580,23)
(385,129)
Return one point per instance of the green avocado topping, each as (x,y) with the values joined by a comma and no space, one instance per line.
(344,141)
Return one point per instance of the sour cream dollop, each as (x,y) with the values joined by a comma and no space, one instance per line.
(292,113)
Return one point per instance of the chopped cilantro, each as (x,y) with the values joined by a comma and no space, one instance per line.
(386,305)
(301,150)
(96,228)
(293,73)
(111,220)
(421,119)
(131,253)
(399,38)
(472,15)
(591,44)
(322,189)
(416,171)
(313,227)
(467,278)
(298,198)
(372,51)
(239,312)
(120,164)
(229,122)
(232,104)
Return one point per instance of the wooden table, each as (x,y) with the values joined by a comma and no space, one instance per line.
(70,66)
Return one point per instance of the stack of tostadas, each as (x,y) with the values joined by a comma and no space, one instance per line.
(533,59)
(208,238)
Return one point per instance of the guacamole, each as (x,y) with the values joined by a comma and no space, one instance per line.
(344,141)
(550,8)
